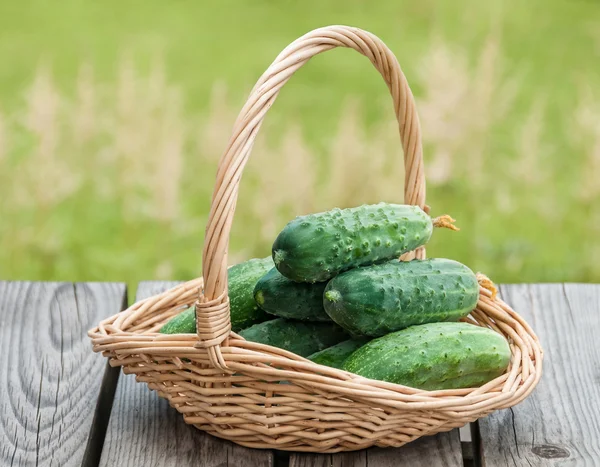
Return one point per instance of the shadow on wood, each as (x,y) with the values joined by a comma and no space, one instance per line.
(145,430)
(560,421)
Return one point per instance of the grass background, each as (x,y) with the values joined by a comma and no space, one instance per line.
(113,116)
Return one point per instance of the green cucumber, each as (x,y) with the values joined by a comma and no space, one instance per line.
(182,323)
(316,247)
(242,279)
(434,356)
(245,312)
(299,337)
(278,295)
(336,355)
(383,298)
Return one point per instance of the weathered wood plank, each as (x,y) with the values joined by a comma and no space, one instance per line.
(441,450)
(145,430)
(559,424)
(51,379)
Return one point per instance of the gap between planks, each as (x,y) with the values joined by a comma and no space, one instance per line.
(55,393)
(145,430)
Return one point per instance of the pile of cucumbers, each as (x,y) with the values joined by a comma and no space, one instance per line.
(335,292)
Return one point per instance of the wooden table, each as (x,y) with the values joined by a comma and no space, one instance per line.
(61,405)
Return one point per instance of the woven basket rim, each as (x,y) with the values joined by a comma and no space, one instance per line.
(113,338)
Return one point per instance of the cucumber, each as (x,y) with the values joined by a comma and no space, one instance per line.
(336,355)
(434,356)
(245,312)
(383,298)
(299,337)
(242,279)
(316,247)
(182,323)
(278,295)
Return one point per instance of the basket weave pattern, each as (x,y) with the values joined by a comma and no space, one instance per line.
(264,397)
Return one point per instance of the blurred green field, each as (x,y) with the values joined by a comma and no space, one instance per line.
(113,116)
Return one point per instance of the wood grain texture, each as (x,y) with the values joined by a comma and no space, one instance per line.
(51,379)
(559,423)
(441,450)
(145,430)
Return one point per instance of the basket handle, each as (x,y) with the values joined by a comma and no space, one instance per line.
(212,310)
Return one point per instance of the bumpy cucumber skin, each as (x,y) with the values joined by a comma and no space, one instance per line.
(383,298)
(242,279)
(316,247)
(245,312)
(280,296)
(434,356)
(336,355)
(299,337)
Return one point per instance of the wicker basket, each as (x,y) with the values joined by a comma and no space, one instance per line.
(264,397)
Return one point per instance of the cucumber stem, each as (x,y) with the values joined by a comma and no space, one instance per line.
(278,256)
(333,295)
(445,221)
(259,298)
(485,282)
